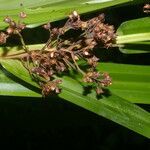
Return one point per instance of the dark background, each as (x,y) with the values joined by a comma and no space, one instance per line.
(56,124)
(53,123)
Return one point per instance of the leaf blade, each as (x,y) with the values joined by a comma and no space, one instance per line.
(112,107)
(134,36)
(40,13)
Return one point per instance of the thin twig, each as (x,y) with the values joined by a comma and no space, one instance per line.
(23,43)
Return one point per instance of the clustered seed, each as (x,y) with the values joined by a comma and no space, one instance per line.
(51,87)
(3,37)
(62,53)
(13,28)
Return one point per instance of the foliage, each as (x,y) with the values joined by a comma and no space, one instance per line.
(130,82)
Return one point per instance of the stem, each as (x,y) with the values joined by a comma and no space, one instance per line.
(23,43)
(90,29)
(26,65)
(69,63)
(15,56)
(72,56)
(48,42)
(78,68)
(123,39)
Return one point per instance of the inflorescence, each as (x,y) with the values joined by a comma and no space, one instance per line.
(62,53)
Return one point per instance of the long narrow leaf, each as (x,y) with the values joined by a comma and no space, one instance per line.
(10,88)
(111,107)
(39,12)
(129,81)
(134,35)
(136,47)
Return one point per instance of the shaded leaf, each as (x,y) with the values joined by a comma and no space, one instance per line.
(11,88)
(109,106)
(135,48)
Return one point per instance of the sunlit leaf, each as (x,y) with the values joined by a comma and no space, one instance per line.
(39,12)
(130,82)
(134,36)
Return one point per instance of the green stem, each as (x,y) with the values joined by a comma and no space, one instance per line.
(23,43)
(122,39)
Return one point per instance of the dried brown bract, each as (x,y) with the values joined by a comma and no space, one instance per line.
(22,15)
(50,87)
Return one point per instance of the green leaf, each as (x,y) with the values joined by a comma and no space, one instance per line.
(11,88)
(15,4)
(111,106)
(40,12)
(136,26)
(130,82)
(134,36)
(136,48)
(8,51)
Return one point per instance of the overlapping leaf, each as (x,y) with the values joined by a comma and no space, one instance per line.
(109,106)
(129,82)
(40,12)
(134,36)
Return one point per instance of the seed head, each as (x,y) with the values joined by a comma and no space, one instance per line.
(84,25)
(51,86)
(99,91)
(13,24)
(47,26)
(86,53)
(62,52)
(106,81)
(101,17)
(3,37)
(74,16)
(21,26)
(10,30)
(93,61)
(7,19)
(22,15)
